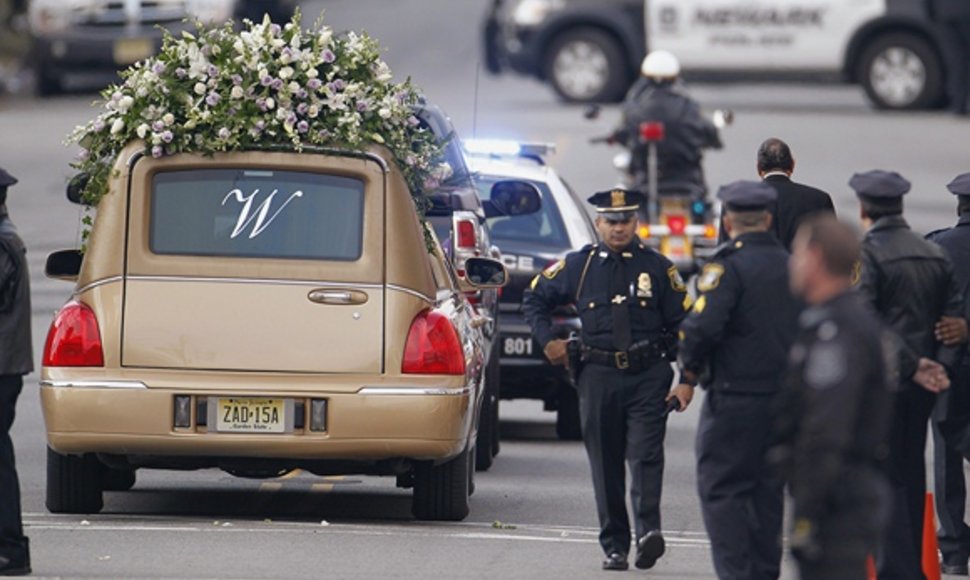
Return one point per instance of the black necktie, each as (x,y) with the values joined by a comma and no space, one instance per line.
(620,297)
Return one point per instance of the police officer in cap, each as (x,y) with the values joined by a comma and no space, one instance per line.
(834,410)
(735,342)
(16,360)
(951,416)
(911,285)
(631,300)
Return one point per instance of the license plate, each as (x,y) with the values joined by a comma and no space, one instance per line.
(129,50)
(675,247)
(252,415)
(518,346)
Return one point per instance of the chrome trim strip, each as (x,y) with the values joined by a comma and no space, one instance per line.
(414,293)
(97,283)
(439,391)
(95,384)
(273,281)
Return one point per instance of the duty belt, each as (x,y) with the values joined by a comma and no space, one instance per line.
(640,356)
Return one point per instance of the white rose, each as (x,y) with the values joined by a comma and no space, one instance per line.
(125,103)
(312,73)
(293,86)
(117,126)
(236,92)
(142,130)
(270,103)
(313,111)
(325,35)
(199,88)
(384,112)
(168,118)
(286,72)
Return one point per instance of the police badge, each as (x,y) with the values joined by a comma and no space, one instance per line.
(644,286)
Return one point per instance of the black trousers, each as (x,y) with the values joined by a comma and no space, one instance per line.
(949,425)
(900,556)
(849,532)
(955,44)
(12,541)
(623,421)
(741,501)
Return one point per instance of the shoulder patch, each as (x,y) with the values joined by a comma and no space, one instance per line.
(676,282)
(700,305)
(710,277)
(554,269)
(687,303)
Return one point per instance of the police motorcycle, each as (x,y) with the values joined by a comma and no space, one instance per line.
(678,221)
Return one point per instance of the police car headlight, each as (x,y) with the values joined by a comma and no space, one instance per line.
(533,12)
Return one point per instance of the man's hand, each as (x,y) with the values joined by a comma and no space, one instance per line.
(931,376)
(951,330)
(556,352)
(684,393)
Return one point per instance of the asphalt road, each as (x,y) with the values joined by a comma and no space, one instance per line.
(533,513)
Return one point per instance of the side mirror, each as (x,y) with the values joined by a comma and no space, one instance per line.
(486,273)
(64,265)
(591,112)
(75,188)
(513,197)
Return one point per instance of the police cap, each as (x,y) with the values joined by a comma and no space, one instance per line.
(6,179)
(878,184)
(617,204)
(747,195)
(960,185)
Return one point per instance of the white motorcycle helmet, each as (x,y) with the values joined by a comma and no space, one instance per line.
(661,65)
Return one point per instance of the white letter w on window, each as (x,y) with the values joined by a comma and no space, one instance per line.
(246,217)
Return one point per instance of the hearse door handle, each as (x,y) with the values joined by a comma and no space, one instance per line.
(338,297)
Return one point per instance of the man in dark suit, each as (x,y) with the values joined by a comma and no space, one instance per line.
(795,200)
(952,19)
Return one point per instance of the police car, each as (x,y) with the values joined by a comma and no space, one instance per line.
(590,50)
(529,244)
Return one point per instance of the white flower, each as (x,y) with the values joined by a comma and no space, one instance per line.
(286,72)
(142,130)
(199,88)
(125,103)
(236,92)
(384,113)
(293,86)
(270,103)
(168,118)
(324,37)
(117,126)
(312,73)
(313,111)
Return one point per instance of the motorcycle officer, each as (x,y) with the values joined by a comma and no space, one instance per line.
(658,97)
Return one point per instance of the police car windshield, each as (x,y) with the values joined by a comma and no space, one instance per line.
(543,228)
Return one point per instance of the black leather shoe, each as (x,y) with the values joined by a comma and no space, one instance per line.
(649,548)
(615,561)
(15,565)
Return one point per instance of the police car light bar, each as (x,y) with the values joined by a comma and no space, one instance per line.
(504,147)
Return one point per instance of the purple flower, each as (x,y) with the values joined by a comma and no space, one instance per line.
(275,29)
(328,56)
(236,80)
(277,84)
(291,118)
(266,80)
(339,84)
(180,73)
(158,67)
(261,103)
(301,94)
(323,134)
(303,126)
(98,126)
(260,125)
(314,84)
(213,70)
(363,106)
(224,133)
(212,99)
(413,121)
(157,126)
(157,151)
(167,136)
(232,111)
(302,108)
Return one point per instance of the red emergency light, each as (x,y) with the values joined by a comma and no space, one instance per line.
(677,224)
(652,131)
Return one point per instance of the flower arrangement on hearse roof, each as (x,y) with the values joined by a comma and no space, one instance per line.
(264,86)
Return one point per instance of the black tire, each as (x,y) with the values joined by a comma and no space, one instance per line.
(568,426)
(488,417)
(901,71)
(587,65)
(74,483)
(117,479)
(441,491)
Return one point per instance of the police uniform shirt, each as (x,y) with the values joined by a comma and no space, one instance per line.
(655,293)
(838,400)
(736,338)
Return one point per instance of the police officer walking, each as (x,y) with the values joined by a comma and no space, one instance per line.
(834,410)
(16,360)
(736,341)
(952,18)
(911,285)
(951,416)
(630,299)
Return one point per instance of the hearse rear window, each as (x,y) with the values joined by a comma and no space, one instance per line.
(257,213)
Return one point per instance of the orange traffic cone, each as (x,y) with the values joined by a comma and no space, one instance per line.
(871,569)
(931,558)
